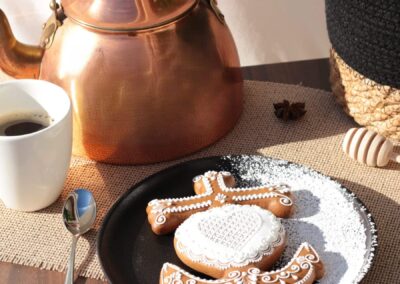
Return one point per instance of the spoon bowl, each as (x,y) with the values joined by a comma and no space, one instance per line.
(79,215)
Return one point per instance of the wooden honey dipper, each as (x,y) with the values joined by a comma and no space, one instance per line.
(369,147)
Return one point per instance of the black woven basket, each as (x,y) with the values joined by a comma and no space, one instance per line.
(365,61)
(366,35)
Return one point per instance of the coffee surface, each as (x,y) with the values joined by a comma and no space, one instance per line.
(22,128)
(23,123)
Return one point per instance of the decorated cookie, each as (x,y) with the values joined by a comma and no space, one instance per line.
(223,239)
(304,268)
(215,189)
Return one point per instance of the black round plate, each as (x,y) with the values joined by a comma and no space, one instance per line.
(130,252)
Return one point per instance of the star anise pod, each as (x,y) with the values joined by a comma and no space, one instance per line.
(289,111)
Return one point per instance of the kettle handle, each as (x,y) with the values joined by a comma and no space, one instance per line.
(217,11)
(52,24)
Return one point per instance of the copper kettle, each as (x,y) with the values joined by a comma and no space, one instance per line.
(149,80)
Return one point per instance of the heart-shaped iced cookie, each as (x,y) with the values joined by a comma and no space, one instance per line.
(224,238)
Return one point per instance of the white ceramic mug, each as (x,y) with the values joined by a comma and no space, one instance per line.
(33,167)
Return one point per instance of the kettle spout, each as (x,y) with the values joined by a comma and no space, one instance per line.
(17,59)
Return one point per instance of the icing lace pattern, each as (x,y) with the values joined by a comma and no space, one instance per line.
(235,233)
(221,236)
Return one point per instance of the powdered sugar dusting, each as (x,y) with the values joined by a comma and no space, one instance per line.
(326,215)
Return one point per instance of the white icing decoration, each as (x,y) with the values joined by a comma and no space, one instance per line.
(211,175)
(254,275)
(164,206)
(290,270)
(197,178)
(221,198)
(235,277)
(176,278)
(161,207)
(229,236)
(276,190)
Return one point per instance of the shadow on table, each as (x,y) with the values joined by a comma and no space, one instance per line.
(90,237)
(315,238)
(302,210)
(299,231)
(324,117)
(386,213)
(311,73)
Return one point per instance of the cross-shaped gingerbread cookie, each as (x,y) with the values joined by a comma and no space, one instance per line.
(214,189)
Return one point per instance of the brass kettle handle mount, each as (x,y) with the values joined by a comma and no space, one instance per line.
(52,24)
(217,11)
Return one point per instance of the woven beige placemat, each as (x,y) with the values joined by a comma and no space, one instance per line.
(39,239)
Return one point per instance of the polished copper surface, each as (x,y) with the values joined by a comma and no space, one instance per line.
(17,59)
(148,96)
(120,15)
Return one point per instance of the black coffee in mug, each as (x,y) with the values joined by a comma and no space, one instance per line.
(23,123)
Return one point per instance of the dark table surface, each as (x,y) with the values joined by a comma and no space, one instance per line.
(310,73)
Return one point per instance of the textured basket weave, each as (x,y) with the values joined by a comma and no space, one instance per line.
(366,35)
(371,104)
(365,61)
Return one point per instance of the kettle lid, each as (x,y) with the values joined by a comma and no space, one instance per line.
(126,15)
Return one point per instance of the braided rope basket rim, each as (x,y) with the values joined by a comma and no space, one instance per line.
(371,104)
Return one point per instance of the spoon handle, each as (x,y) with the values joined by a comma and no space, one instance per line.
(69,279)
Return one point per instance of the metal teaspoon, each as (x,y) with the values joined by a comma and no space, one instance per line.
(79,214)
